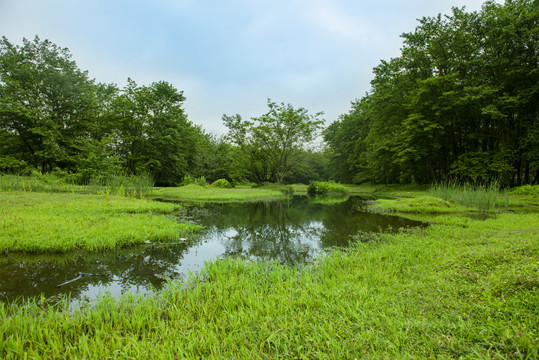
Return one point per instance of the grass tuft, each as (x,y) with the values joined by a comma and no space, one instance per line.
(482,197)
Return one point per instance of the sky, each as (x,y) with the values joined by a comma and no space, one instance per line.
(229,57)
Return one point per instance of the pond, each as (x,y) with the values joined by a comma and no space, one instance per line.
(293,231)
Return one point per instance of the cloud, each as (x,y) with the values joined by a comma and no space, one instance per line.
(338,24)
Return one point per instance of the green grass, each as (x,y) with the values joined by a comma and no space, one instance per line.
(421,204)
(326,188)
(448,291)
(59,222)
(212,193)
(482,197)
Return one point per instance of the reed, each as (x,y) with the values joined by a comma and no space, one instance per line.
(482,197)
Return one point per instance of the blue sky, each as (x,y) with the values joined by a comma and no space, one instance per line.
(230,56)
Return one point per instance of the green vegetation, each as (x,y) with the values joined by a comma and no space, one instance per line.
(446,107)
(526,190)
(211,193)
(422,204)
(326,188)
(222,183)
(44,222)
(462,288)
(478,196)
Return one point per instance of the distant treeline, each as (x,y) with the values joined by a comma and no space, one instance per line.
(460,102)
(54,118)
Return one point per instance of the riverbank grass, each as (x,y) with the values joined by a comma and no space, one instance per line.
(59,222)
(213,193)
(462,290)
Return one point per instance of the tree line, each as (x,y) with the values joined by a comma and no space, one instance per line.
(460,102)
(54,118)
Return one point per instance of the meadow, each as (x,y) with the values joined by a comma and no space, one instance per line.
(460,288)
(60,222)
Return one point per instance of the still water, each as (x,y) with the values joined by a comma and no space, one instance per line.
(293,231)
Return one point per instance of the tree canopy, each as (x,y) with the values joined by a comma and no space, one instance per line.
(461,102)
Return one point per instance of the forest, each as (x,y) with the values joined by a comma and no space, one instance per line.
(459,103)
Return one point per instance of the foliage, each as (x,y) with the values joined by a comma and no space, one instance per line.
(526,190)
(325,188)
(273,142)
(43,222)
(443,292)
(222,183)
(459,102)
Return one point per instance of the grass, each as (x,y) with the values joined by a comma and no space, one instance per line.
(134,186)
(60,222)
(326,188)
(212,193)
(466,290)
(482,197)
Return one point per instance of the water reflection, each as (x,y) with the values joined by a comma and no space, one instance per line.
(291,231)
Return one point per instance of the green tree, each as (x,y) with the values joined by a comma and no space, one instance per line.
(273,141)
(153,133)
(46,101)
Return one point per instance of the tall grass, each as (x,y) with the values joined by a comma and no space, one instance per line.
(482,197)
(35,183)
(110,184)
(122,185)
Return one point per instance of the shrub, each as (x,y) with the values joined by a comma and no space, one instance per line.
(526,190)
(325,188)
(222,183)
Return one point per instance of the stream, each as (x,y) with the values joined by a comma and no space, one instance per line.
(293,231)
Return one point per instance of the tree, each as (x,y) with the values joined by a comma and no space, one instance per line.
(46,101)
(153,133)
(274,140)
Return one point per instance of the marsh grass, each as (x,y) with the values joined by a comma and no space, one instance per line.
(36,183)
(110,184)
(122,185)
(459,289)
(45,222)
(482,197)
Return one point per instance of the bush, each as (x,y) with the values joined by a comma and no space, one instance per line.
(526,190)
(325,188)
(222,183)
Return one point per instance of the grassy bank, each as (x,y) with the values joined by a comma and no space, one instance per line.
(213,193)
(460,288)
(59,222)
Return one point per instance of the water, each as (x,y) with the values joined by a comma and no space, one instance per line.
(292,231)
